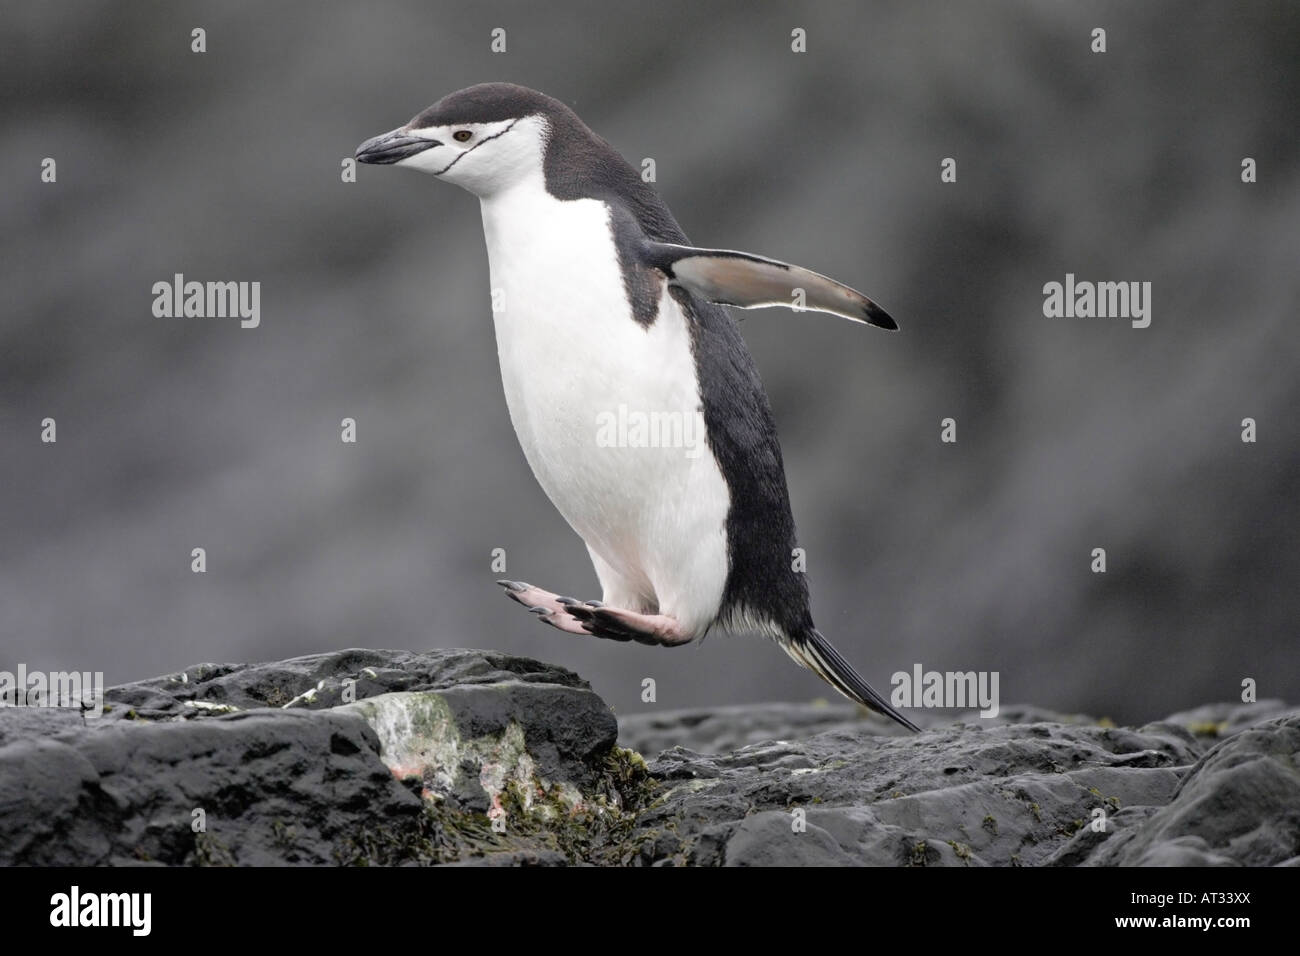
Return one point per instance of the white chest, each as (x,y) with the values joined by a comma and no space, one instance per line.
(586,385)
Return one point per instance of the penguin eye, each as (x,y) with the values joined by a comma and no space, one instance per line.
(461,135)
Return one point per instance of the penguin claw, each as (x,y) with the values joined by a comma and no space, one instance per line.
(596,604)
(539,610)
(567,601)
(513,585)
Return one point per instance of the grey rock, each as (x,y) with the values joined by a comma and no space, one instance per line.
(280,768)
(1240,804)
(475,758)
(263,788)
(996,793)
(1226,719)
(728,728)
(960,795)
(317,681)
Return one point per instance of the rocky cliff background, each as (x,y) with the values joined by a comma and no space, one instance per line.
(1072,434)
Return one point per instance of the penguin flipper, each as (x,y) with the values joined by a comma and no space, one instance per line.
(750,282)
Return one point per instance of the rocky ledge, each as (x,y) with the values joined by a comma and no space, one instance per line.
(474,757)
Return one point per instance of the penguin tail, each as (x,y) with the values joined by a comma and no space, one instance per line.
(814,652)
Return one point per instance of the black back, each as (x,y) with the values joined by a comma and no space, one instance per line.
(737,417)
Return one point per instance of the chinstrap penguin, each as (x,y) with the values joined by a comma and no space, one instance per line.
(603,307)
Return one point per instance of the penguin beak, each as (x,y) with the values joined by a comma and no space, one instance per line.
(393,147)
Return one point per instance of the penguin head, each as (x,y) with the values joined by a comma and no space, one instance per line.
(485,138)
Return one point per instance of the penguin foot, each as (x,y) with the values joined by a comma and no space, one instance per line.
(617,624)
(597,619)
(548,607)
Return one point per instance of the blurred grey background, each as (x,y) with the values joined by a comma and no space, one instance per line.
(1072,433)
